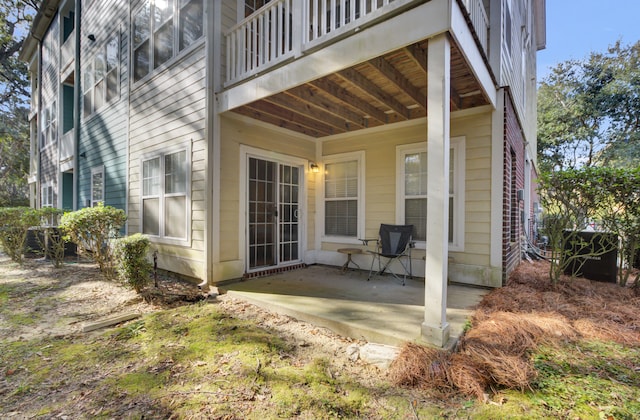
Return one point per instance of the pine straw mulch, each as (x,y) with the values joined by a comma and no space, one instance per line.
(511,322)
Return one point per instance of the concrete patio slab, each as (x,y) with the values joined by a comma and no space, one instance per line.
(379,311)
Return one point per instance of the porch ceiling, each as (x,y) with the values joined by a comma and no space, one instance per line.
(383,90)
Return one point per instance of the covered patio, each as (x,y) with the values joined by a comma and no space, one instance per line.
(379,311)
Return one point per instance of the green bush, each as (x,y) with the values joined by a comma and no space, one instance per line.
(14,225)
(133,267)
(574,197)
(54,239)
(92,229)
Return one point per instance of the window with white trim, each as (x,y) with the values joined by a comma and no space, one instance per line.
(412,191)
(49,127)
(343,195)
(46,197)
(161,29)
(101,78)
(97,185)
(165,201)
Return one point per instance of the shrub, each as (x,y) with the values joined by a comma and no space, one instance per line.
(92,229)
(133,267)
(54,239)
(14,225)
(572,198)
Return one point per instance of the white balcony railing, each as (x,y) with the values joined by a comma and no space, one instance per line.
(68,50)
(67,146)
(261,40)
(479,20)
(283,29)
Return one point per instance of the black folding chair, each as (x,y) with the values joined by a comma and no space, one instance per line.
(393,244)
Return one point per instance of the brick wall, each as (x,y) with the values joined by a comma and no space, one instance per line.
(513,181)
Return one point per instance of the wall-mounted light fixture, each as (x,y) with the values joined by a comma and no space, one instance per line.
(91,37)
(83,155)
(313,167)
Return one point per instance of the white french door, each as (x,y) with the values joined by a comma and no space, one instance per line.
(273,213)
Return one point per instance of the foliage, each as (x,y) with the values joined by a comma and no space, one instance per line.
(571,201)
(93,228)
(54,240)
(620,213)
(574,198)
(14,157)
(589,111)
(14,225)
(133,266)
(15,16)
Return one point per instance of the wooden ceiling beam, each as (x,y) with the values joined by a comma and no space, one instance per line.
(419,56)
(342,94)
(455,99)
(295,104)
(354,77)
(270,119)
(307,94)
(397,78)
(296,118)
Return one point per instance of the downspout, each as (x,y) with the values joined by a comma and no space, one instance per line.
(38,130)
(76,106)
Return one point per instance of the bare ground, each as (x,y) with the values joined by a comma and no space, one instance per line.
(45,302)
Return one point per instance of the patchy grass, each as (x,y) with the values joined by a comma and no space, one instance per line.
(190,361)
(223,360)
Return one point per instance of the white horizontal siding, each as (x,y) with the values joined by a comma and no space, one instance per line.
(168,110)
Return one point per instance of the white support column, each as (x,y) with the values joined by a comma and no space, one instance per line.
(435,328)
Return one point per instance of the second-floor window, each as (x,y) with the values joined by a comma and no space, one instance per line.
(49,132)
(101,78)
(162,29)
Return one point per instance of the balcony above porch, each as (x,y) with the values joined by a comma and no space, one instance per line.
(386,81)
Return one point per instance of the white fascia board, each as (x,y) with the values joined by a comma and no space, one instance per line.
(462,34)
(414,25)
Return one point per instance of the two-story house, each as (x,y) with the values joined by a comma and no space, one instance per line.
(250,136)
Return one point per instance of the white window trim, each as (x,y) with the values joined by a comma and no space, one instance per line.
(176,41)
(49,194)
(359,156)
(94,81)
(94,171)
(47,133)
(186,147)
(457,144)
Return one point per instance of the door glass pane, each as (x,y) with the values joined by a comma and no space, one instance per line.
(262,213)
(289,209)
